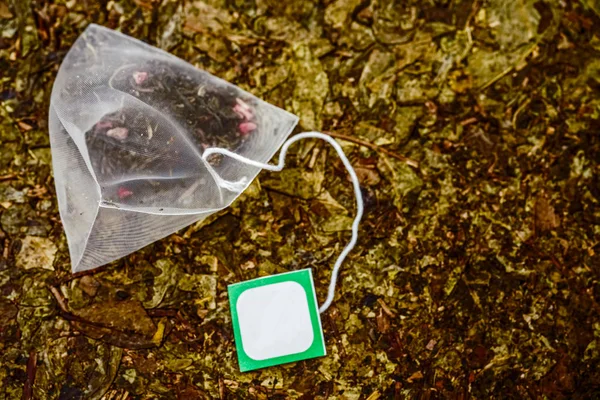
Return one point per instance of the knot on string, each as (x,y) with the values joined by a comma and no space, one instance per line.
(241,184)
(232,186)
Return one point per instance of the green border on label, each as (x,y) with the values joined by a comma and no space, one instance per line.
(302,277)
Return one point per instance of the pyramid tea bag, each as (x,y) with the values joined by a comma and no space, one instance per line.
(128,126)
(144,144)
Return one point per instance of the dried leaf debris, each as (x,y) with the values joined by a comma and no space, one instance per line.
(473,126)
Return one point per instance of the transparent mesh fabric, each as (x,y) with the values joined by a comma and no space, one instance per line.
(128,127)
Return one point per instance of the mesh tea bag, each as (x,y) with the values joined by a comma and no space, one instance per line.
(144,144)
(128,126)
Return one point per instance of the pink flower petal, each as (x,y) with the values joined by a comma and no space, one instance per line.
(104,124)
(118,133)
(140,77)
(243,104)
(239,112)
(247,127)
(244,113)
(124,193)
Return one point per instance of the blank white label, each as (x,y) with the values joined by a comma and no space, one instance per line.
(274,320)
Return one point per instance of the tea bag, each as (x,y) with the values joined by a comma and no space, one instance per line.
(128,126)
(144,144)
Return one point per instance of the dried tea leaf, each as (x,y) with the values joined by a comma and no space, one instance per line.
(337,223)
(89,285)
(170,25)
(373,134)
(594,5)
(410,89)
(5,11)
(394,23)
(270,77)
(215,48)
(338,13)
(405,182)
(43,155)
(367,176)
(545,217)
(36,252)
(378,77)
(415,377)
(312,87)
(331,205)
(165,281)
(120,323)
(178,364)
(8,312)
(16,218)
(289,9)
(516,27)
(203,17)
(513,23)
(405,119)
(297,182)
(282,28)
(204,285)
(10,194)
(76,367)
(357,36)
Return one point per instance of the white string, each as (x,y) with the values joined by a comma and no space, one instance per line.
(241,184)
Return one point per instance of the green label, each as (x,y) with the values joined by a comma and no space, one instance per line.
(276,320)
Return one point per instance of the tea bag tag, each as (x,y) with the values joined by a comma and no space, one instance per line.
(276,320)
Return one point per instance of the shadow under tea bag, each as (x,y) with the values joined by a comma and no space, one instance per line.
(128,126)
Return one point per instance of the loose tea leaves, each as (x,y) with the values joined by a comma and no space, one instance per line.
(129,124)
(136,155)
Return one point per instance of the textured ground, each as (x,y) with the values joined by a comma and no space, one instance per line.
(477,272)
